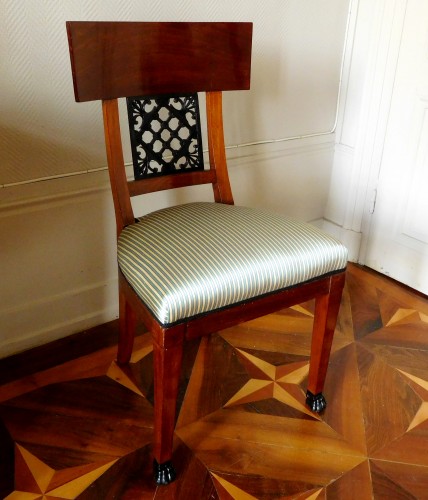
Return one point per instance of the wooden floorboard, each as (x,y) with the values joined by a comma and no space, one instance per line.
(75,425)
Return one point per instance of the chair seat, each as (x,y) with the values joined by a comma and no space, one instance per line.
(195,258)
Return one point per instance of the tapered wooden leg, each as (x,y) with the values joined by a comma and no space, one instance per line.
(326,312)
(127,325)
(167,369)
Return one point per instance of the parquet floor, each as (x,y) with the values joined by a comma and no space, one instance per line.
(83,429)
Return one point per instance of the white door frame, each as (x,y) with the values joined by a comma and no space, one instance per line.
(386,21)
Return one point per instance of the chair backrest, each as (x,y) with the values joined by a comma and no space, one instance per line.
(160,67)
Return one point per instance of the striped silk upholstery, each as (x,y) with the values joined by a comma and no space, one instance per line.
(190,259)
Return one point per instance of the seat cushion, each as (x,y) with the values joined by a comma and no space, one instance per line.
(191,259)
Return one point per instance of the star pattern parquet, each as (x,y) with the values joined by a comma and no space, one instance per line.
(83,429)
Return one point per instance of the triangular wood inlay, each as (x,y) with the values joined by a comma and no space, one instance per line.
(244,430)
(234,492)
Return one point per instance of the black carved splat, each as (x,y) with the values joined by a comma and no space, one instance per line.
(165,134)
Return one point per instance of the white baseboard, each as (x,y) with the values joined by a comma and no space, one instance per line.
(351,239)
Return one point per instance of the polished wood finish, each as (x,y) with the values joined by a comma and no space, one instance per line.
(85,428)
(145,186)
(216,148)
(167,366)
(113,59)
(259,306)
(127,328)
(118,180)
(325,317)
(128,59)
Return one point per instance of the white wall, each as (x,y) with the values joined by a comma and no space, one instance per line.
(57,250)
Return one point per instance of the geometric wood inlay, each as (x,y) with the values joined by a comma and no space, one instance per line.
(233,491)
(83,429)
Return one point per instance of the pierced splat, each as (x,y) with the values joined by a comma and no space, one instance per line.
(165,134)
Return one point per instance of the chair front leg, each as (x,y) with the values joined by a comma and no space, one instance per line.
(167,368)
(325,318)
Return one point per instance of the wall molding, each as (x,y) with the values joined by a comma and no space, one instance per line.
(37,322)
(65,190)
(78,289)
(53,192)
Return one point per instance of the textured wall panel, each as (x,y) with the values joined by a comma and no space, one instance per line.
(43,132)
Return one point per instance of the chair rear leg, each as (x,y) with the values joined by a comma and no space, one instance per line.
(326,312)
(127,325)
(167,369)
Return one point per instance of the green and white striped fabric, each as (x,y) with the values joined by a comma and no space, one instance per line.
(190,259)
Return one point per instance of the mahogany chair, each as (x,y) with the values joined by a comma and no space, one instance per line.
(196,268)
